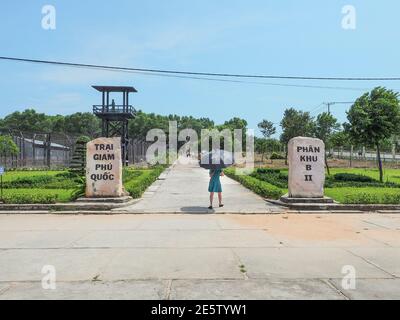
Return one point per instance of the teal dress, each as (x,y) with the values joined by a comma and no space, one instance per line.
(215,182)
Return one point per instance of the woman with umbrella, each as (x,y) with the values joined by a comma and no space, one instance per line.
(216,161)
(215,186)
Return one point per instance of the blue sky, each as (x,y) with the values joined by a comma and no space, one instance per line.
(254,37)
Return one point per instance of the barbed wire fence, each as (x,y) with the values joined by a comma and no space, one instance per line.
(55,150)
(353,155)
(391,155)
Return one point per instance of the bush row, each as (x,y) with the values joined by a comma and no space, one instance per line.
(260,187)
(341,180)
(277,156)
(371,198)
(59,181)
(26,198)
(272,176)
(138,184)
(34,196)
(353,177)
(279,179)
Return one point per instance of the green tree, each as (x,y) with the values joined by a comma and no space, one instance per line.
(295,123)
(325,126)
(234,124)
(274,145)
(267,128)
(373,118)
(81,123)
(144,122)
(261,145)
(339,139)
(7,147)
(27,121)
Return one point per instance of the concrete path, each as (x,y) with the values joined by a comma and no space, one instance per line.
(183,189)
(200,256)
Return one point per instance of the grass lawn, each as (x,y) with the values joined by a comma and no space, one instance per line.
(14,175)
(32,187)
(33,196)
(273,183)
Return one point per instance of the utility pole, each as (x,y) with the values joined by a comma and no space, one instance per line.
(329,104)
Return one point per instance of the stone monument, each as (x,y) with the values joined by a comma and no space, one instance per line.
(306,171)
(104,168)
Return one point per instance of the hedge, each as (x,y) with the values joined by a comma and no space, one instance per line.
(272,176)
(59,181)
(370,198)
(260,187)
(35,196)
(137,184)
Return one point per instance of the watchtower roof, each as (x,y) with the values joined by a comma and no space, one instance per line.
(114,89)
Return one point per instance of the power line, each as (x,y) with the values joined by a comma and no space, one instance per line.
(154,74)
(316,108)
(249,82)
(226,75)
(329,104)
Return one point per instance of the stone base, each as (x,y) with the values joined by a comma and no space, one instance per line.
(289,200)
(123,199)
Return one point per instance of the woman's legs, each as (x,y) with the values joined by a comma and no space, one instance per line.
(211,198)
(220,198)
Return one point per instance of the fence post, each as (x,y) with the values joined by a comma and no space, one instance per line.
(48,151)
(34,150)
(351,155)
(20,151)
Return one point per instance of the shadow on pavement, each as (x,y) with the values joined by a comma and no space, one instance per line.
(197,210)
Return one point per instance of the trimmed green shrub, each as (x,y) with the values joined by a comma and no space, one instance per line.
(277,156)
(30,199)
(42,182)
(260,187)
(137,184)
(268,170)
(353,177)
(272,176)
(370,198)
(78,162)
(341,180)
(35,196)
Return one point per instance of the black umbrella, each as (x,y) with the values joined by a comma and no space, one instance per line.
(216,159)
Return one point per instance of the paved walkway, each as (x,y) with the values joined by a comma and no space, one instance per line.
(200,256)
(183,189)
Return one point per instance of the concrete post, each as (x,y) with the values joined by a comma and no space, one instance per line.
(394,151)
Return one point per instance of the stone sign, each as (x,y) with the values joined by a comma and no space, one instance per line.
(306,168)
(104,168)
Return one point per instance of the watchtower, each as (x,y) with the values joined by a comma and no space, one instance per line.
(115,117)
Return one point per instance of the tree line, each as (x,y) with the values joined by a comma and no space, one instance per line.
(373,121)
(87,124)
